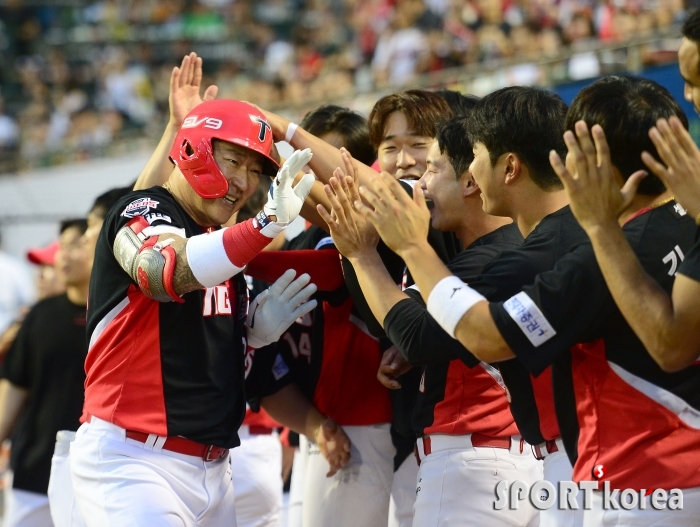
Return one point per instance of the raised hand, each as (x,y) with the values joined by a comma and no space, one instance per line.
(595,196)
(352,234)
(185,83)
(681,156)
(401,222)
(334,445)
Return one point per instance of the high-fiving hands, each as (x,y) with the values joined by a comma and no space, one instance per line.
(681,156)
(594,192)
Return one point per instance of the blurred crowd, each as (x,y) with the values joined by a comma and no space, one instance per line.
(76,75)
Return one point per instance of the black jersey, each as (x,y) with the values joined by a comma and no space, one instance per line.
(453,398)
(531,399)
(691,264)
(170,369)
(622,418)
(47,360)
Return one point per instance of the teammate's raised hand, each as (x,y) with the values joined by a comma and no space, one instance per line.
(352,233)
(334,445)
(185,83)
(401,222)
(681,156)
(595,195)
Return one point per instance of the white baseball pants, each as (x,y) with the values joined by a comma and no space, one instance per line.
(457,483)
(689,516)
(557,467)
(122,483)
(356,495)
(296,485)
(24,508)
(403,493)
(257,479)
(64,510)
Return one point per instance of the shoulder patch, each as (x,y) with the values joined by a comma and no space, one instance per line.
(529,318)
(139,207)
(155,216)
(279,368)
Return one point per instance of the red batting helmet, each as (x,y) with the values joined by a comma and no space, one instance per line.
(232,121)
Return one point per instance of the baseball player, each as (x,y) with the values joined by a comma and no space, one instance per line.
(521,185)
(167,326)
(42,378)
(462,418)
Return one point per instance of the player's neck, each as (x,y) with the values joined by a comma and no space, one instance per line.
(477,224)
(642,201)
(533,207)
(78,293)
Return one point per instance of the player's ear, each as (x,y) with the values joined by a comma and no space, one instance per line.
(512,168)
(469,186)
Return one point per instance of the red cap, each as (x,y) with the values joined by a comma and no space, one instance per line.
(43,255)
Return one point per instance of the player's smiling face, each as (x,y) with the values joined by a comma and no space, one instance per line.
(441,185)
(485,175)
(402,152)
(242,169)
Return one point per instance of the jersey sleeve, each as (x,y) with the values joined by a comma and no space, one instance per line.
(15,368)
(691,265)
(560,309)
(155,205)
(417,335)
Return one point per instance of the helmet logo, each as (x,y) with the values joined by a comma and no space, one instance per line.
(264,127)
(209,122)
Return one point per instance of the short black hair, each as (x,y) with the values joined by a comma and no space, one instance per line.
(454,142)
(350,125)
(460,104)
(73,223)
(106,200)
(526,121)
(626,108)
(691,27)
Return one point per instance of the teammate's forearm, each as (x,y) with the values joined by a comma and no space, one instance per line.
(378,288)
(647,308)
(290,408)
(476,330)
(158,167)
(12,399)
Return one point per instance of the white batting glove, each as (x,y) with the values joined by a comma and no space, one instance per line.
(283,200)
(275,309)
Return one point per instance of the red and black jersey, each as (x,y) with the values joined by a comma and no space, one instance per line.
(623,419)
(330,353)
(531,398)
(171,369)
(691,264)
(453,397)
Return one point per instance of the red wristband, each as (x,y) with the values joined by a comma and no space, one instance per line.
(242,242)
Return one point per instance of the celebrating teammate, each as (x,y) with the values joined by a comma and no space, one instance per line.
(167,326)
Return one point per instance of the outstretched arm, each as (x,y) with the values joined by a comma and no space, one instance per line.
(185,84)
(668,326)
(403,224)
(326,157)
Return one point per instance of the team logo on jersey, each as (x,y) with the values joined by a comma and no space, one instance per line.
(279,368)
(139,207)
(529,318)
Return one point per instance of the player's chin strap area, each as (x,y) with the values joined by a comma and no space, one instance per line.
(150,263)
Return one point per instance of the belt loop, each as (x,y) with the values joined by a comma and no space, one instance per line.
(150,441)
(522,445)
(159,442)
